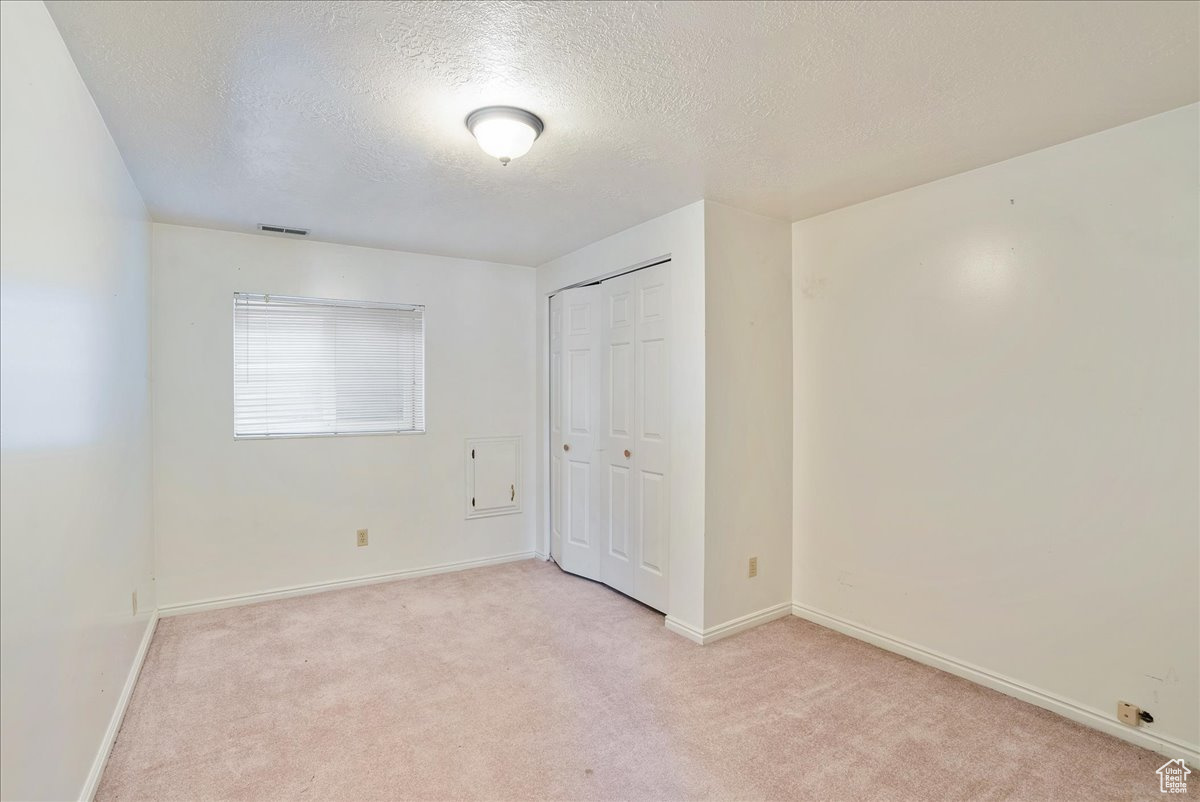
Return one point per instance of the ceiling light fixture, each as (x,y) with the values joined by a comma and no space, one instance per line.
(505,132)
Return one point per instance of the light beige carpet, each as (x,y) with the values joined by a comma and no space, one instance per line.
(519,681)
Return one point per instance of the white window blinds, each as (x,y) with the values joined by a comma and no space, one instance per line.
(308,366)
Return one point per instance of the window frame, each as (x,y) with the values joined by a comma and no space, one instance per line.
(402,307)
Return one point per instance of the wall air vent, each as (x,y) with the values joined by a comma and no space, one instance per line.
(299,232)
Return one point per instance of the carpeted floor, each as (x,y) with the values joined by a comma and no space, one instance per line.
(519,682)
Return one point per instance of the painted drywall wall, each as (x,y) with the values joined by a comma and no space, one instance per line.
(247,516)
(996,419)
(75,517)
(748,413)
(679,234)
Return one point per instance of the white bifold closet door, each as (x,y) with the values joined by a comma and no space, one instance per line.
(575,357)
(609,402)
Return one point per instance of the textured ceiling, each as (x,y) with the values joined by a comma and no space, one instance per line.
(347,118)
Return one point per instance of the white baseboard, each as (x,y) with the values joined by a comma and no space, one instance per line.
(337,584)
(686,630)
(1088,716)
(114,724)
(540,556)
(728,628)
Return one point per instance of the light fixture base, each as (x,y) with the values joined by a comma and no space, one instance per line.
(511,112)
(504,132)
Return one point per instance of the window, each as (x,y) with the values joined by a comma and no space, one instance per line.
(307,366)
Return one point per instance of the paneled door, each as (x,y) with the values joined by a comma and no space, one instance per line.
(609,432)
(649,457)
(618,483)
(573,429)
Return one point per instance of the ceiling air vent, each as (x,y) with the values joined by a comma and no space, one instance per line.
(299,232)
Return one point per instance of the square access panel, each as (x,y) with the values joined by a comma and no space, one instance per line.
(493,476)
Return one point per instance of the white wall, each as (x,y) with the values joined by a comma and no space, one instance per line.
(748,393)
(242,517)
(996,418)
(679,234)
(75,537)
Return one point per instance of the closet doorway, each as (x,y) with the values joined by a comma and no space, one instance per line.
(609,430)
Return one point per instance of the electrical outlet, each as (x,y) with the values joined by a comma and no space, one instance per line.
(362,537)
(1129,714)
(135,603)
(753,567)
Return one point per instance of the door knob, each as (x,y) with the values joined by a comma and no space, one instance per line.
(566,447)
(628,453)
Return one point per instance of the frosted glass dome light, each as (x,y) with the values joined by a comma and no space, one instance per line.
(504,132)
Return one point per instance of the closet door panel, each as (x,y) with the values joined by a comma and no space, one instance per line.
(651,446)
(610,431)
(618,518)
(579,502)
(652,523)
(620,380)
(580,388)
